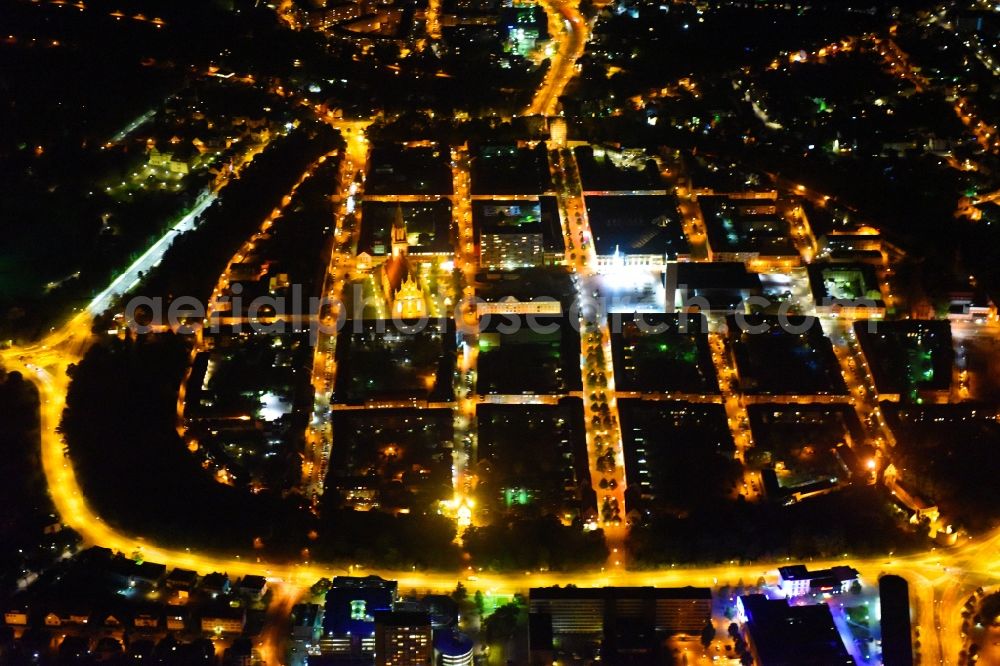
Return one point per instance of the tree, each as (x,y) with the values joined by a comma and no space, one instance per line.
(708,634)
(480,602)
(501,626)
(734,630)
(320,587)
(460,594)
(856,587)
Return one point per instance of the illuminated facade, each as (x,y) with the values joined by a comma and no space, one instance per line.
(400,287)
(511,305)
(511,236)
(408,301)
(593,610)
(797,580)
(403,639)
(518,249)
(224,620)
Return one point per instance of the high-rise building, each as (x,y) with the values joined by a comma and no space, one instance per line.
(403,639)
(511,236)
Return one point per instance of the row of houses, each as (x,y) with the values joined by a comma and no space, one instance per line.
(212,618)
(114,594)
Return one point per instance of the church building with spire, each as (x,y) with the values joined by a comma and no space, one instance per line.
(400,285)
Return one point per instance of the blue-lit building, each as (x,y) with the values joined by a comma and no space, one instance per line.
(778,634)
(797,580)
(452,648)
(349,613)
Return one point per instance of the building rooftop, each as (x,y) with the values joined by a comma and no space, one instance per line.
(452,643)
(745,225)
(894,602)
(182,577)
(403,618)
(214,581)
(783,635)
(716,275)
(253,582)
(305,615)
(801,572)
(352,602)
(636,225)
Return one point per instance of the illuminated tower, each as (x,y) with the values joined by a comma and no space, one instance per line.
(399,243)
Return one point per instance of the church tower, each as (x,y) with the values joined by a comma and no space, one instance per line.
(399,243)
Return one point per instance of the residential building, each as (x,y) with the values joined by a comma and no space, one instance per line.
(176,620)
(181,579)
(861,245)
(254,587)
(752,231)
(223,619)
(510,235)
(62,618)
(148,575)
(147,619)
(216,584)
(593,610)
(846,290)
(16,615)
(403,638)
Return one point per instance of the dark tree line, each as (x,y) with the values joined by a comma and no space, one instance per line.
(27,510)
(534,543)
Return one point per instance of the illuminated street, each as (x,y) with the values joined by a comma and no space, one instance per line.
(387,491)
